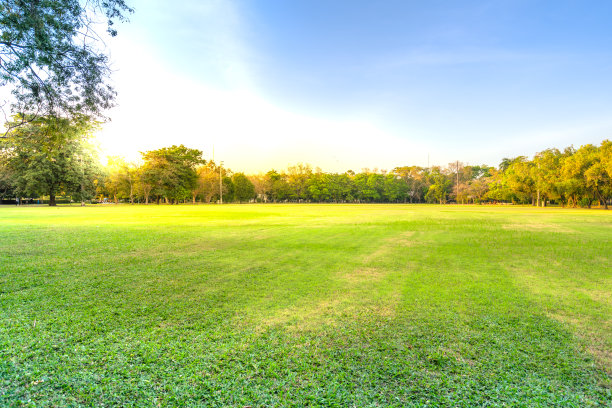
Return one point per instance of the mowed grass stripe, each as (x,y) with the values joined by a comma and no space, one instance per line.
(305,305)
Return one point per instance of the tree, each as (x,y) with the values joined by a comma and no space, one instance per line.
(547,174)
(50,155)
(476,189)
(50,56)
(605,156)
(122,179)
(208,181)
(7,188)
(277,188)
(394,188)
(145,183)
(519,177)
(575,173)
(318,186)
(505,163)
(440,186)
(605,150)
(228,188)
(259,183)
(415,179)
(596,176)
(341,187)
(456,171)
(297,177)
(171,171)
(244,190)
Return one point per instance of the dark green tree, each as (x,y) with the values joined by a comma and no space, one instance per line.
(244,190)
(7,188)
(277,188)
(395,189)
(49,156)
(318,187)
(228,189)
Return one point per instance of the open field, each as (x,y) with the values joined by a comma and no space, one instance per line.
(305,305)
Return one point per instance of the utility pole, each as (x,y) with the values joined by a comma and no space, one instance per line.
(457,181)
(220,184)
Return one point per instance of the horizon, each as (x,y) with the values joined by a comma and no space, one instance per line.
(376,169)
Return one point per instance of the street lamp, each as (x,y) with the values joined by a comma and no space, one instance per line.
(220,184)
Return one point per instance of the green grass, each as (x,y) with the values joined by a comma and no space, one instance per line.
(305,305)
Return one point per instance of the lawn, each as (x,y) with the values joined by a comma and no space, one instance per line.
(305,305)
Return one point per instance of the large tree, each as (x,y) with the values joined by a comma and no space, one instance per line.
(49,156)
(277,187)
(440,186)
(415,179)
(519,177)
(207,184)
(172,171)
(122,179)
(244,190)
(52,59)
(297,178)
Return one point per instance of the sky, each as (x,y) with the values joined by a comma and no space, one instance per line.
(266,84)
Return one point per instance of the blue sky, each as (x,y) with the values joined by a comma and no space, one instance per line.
(361,84)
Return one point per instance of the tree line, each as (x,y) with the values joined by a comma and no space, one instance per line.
(50,157)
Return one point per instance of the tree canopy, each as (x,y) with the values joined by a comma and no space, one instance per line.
(569,177)
(52,59)
(244,190)
(49,156)
(171,171)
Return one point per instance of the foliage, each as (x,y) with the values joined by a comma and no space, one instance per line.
(50,156)
(50,56)
(208,181)
(177,174)
(7,188)
(122,179)
(439,187)
(244,190)
(172,171)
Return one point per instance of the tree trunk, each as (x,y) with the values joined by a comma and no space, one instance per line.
(52,200)
(601,199)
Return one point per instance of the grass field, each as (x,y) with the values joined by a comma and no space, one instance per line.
(305,305)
